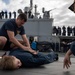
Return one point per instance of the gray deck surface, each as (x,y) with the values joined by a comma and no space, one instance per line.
(55,68)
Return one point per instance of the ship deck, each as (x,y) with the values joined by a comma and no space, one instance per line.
(55,68)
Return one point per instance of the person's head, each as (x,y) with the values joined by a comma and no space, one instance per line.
(10,63)
(21,19)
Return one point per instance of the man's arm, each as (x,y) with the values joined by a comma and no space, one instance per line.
(17,43)
(13,39)
(67,62)
(25,40)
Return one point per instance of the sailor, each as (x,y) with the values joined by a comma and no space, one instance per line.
(19,58)
(8,32)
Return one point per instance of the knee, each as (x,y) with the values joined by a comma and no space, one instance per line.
(3,40)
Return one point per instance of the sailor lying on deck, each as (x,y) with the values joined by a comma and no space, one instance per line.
(19,58)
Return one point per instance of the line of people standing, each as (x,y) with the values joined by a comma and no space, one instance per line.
(7,15)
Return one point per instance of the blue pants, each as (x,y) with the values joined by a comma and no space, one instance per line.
(30,60)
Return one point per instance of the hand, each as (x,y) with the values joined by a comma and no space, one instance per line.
(30,50)
(66,62)
(33,51)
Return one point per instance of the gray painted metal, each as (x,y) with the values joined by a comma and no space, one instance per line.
(41,28)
